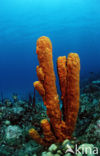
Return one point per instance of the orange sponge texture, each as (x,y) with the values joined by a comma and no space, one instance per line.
(68,71)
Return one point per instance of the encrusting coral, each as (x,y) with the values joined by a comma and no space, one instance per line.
(57,129)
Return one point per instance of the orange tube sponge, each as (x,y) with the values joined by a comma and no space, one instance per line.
(71,106)
(40,73)
(62,73)
(68,71)
(44,52)
(35,136)
(48,134)
(48,137)
(39,87)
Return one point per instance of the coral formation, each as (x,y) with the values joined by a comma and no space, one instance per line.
(24,116)
(62,149)
(57,129)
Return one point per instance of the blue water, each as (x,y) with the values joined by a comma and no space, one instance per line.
(72,26)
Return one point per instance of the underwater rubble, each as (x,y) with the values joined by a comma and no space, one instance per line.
(16,118)
(89,114)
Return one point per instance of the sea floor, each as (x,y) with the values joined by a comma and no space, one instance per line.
(18,116)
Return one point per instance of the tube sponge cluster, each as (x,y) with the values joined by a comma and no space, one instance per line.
(61,126)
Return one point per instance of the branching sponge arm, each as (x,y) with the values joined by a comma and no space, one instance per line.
(71,106)
(44,52)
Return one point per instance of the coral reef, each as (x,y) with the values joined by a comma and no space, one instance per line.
(57,129)
(23,115)
(70,148)
(16,118)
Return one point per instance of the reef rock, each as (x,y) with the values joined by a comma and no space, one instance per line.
(13,134)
